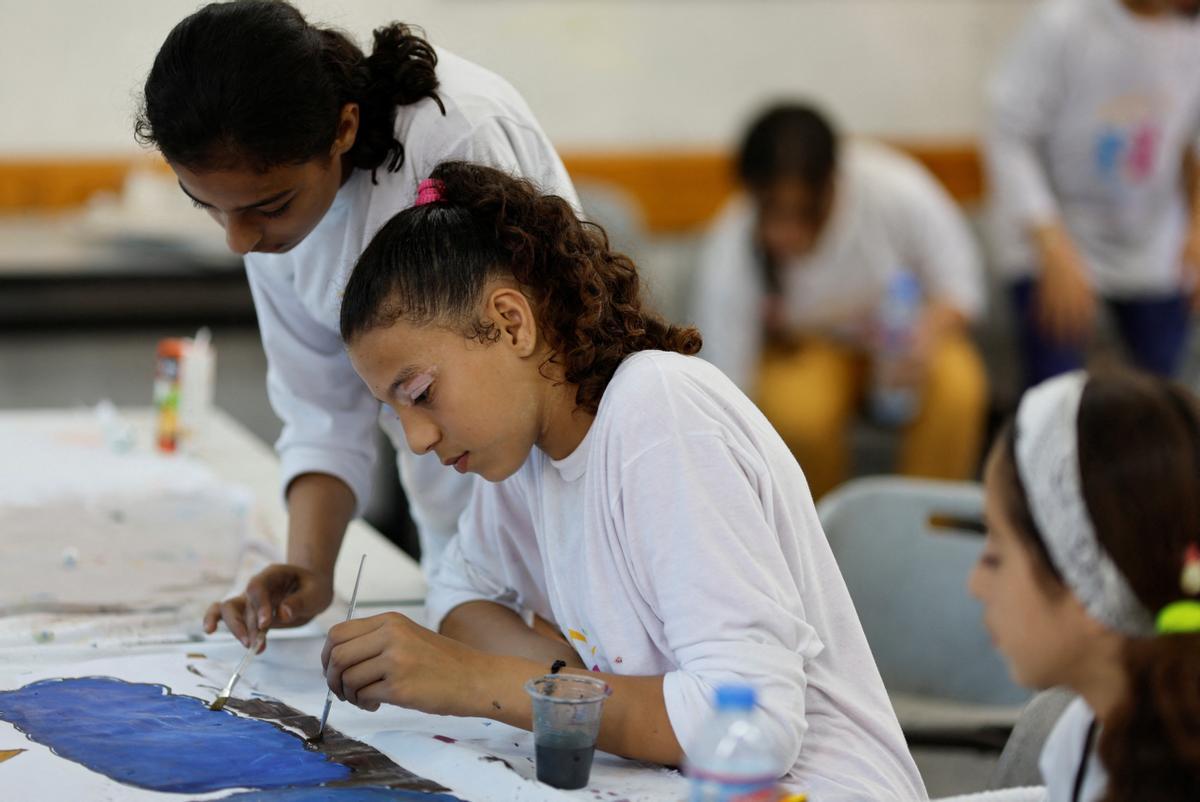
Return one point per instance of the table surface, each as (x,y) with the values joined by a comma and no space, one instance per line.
(236,455)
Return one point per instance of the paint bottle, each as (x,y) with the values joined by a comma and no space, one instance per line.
(732,759)
(183,390)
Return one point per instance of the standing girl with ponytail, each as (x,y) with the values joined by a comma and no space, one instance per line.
(301,146)
(636,500)
(1090,579)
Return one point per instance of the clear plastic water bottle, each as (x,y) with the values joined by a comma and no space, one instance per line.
(732,759)
(894,399)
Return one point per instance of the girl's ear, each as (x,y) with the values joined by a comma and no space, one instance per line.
(509,310)
(347,130)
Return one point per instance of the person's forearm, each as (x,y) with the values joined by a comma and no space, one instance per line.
(1191,167)
(320,507)
(941,318)
(634,723)
(495,629)
(1047,234)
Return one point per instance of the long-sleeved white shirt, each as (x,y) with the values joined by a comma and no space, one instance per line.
(889,215)
(680,539)
(328,414)
(1092,111)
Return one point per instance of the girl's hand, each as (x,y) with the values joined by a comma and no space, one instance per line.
(1065,303)
(391,659)
(1190,264)
(937,320)
(278,596)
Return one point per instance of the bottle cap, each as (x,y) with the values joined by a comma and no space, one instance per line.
(735,697)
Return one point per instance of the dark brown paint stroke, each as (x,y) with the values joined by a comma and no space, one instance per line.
(368,765)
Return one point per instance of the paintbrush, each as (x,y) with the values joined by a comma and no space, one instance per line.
(349,615)
(223,697)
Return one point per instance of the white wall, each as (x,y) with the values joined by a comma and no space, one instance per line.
(600,74)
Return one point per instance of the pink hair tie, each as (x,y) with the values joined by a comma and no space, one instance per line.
(428,191)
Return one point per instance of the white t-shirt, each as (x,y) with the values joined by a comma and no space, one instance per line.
(328,414)
(889,215)
(1093,109)
(680,538)
(1063,752)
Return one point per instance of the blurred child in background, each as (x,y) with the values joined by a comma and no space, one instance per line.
(1092,160)
(793,280)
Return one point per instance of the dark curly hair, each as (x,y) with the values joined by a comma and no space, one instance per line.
(252,83)
(1139,459)
(432,264)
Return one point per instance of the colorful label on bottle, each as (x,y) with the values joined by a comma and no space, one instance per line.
(715,788)
(167,393)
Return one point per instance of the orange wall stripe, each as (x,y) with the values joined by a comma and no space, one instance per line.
(678,191)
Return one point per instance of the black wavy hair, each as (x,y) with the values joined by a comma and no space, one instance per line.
(788,140)
(431,264)
(252,83)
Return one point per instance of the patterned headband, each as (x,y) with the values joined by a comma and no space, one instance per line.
(1048,462)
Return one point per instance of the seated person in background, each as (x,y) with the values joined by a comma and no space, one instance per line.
(634,498)
(1091,153)
(845,266)
(1089,579)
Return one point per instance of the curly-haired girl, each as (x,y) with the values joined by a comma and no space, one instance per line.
(637,501)
(1090,574)
(301,146)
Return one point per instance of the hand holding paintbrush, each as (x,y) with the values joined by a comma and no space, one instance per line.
(278,596)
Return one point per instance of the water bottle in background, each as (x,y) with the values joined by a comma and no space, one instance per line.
(894,400)
(732,759)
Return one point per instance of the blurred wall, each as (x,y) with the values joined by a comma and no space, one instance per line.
(602,75)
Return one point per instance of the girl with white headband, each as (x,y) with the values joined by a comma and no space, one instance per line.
(1090,576)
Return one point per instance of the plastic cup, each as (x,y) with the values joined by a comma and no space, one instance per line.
(566,721)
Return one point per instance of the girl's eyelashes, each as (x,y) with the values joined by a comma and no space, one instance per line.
(273,213)
(417,390)
(278,212)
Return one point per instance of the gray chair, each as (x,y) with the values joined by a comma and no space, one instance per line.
(905,548)
(1018,764)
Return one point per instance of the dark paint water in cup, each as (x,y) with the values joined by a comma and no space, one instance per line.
(565,767)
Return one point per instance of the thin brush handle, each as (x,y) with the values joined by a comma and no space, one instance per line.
(251,650)
(349,615)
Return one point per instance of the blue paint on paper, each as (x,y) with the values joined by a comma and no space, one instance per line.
(356,794)
(143,735)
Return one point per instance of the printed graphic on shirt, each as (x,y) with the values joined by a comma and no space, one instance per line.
(1127,146)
